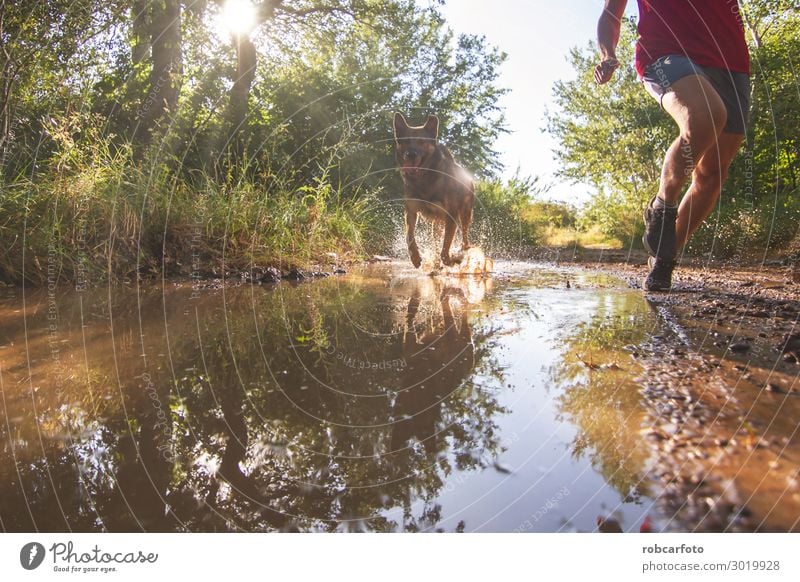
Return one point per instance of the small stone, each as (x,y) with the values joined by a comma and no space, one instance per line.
(294,275)
(271,275)
(739,347)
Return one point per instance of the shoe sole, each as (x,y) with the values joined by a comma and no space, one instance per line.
(657,290)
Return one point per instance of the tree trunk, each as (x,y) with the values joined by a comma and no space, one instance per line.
(751,25)
(5,111)
(164,84)
(246,61)
(7,75)
(140,29)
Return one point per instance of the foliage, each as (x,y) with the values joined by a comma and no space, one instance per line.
(91,117)
(98,215)
(514,218)
(610,137)
(506,212)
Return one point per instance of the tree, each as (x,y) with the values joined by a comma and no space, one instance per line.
(612,137)
(125,107)
(334,94)
(157,31)
(41,45)
(310,12)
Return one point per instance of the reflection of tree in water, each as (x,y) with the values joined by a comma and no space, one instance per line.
(333,440)
(599,395)
(73,457)
(269,427)
(85,473)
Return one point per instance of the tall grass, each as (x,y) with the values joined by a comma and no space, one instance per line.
(517,220)
(500,211)
(94,213)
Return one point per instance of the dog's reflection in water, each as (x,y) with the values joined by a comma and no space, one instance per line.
(440,356)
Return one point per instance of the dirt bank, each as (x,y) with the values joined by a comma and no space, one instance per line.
(723,395)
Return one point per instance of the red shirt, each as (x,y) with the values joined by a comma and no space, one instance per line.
(709,32)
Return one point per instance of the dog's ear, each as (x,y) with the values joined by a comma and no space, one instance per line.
(432,127)
(400,126)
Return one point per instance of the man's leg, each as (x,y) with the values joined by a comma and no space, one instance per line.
(698,110)
(700,113)
(707,180)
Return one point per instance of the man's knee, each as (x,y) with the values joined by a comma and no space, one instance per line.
(709,176)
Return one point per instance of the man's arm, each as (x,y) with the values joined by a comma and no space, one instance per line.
(607,38)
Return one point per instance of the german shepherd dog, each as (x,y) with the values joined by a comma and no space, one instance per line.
(435,185)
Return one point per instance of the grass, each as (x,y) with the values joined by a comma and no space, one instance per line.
(593,238)
(103,216)
(92,212)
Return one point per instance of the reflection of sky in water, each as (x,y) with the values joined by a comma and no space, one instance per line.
(537,482)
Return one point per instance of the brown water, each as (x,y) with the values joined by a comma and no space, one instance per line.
(381,400)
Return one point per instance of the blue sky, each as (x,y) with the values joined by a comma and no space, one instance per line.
(537,36)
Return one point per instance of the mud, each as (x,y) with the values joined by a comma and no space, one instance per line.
(723,398)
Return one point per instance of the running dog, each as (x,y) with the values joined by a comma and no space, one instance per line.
(435,185)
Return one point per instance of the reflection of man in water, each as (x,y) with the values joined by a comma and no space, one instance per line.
(439,360)
(692,57)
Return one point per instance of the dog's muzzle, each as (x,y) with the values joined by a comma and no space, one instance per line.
(410,170)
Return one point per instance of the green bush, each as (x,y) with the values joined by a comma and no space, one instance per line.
(505,215)
(738,230)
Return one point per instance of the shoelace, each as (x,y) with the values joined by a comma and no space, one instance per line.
(662,212)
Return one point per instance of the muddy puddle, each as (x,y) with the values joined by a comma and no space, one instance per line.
(538,399)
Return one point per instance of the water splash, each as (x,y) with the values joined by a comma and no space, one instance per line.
(473,262)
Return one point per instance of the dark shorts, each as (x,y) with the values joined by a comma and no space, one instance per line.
(733,88)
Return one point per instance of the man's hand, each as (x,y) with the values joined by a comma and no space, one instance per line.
(607,38)
(605,70)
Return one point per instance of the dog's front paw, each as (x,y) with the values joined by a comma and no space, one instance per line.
(416,260)
(450,260)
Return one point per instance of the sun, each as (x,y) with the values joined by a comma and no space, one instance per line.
(237,17)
